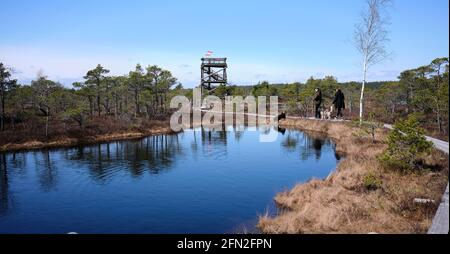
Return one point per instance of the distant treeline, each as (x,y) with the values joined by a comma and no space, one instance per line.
(145,93)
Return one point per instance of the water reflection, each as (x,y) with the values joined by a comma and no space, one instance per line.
(281,130)
(290,142)
(317,145)
(152,154)
(62,172)
(307,144)
(46,170)
(238,132)
(210,137)
(336,155)
(4,185)
(214,143)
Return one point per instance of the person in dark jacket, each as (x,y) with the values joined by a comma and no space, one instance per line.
(317,103)
(339,102)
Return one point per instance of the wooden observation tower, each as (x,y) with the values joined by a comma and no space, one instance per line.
(213,73)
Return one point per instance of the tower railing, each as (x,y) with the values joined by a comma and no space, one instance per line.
(214,61)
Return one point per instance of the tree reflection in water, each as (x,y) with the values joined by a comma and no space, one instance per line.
(44,183)
(152,154)
(308,144)
(4,186)
(238,132)
(214,143)
(46,169)
(17,163)
(290,142)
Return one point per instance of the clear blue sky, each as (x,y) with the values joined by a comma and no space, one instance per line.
(279,41)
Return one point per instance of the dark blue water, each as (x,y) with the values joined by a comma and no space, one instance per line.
(193,182)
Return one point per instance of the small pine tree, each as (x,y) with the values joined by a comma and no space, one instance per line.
(406,144)
(372,182)
(370,126)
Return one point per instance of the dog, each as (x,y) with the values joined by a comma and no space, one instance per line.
(281,116)
(326,113)
(331,111)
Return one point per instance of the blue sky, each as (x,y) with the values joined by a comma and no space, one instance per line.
(278,41)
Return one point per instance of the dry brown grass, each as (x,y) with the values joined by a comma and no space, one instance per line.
(342,204)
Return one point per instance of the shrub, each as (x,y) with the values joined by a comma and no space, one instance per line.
(368,127)
(292,107)
(406,145)
(372,182)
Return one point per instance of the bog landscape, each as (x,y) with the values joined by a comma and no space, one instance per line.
(307,117)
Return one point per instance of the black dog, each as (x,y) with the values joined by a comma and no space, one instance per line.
(281,116)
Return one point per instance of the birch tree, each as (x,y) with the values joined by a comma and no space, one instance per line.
(370,38)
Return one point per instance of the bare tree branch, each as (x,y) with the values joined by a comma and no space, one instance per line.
(371,37)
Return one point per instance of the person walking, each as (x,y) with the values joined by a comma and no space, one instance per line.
(317,103)
(339,102)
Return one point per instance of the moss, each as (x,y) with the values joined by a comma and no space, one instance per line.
(372,181)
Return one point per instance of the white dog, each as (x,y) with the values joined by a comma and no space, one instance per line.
(326,113)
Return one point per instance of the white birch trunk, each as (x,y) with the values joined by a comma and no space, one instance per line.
(361,99)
